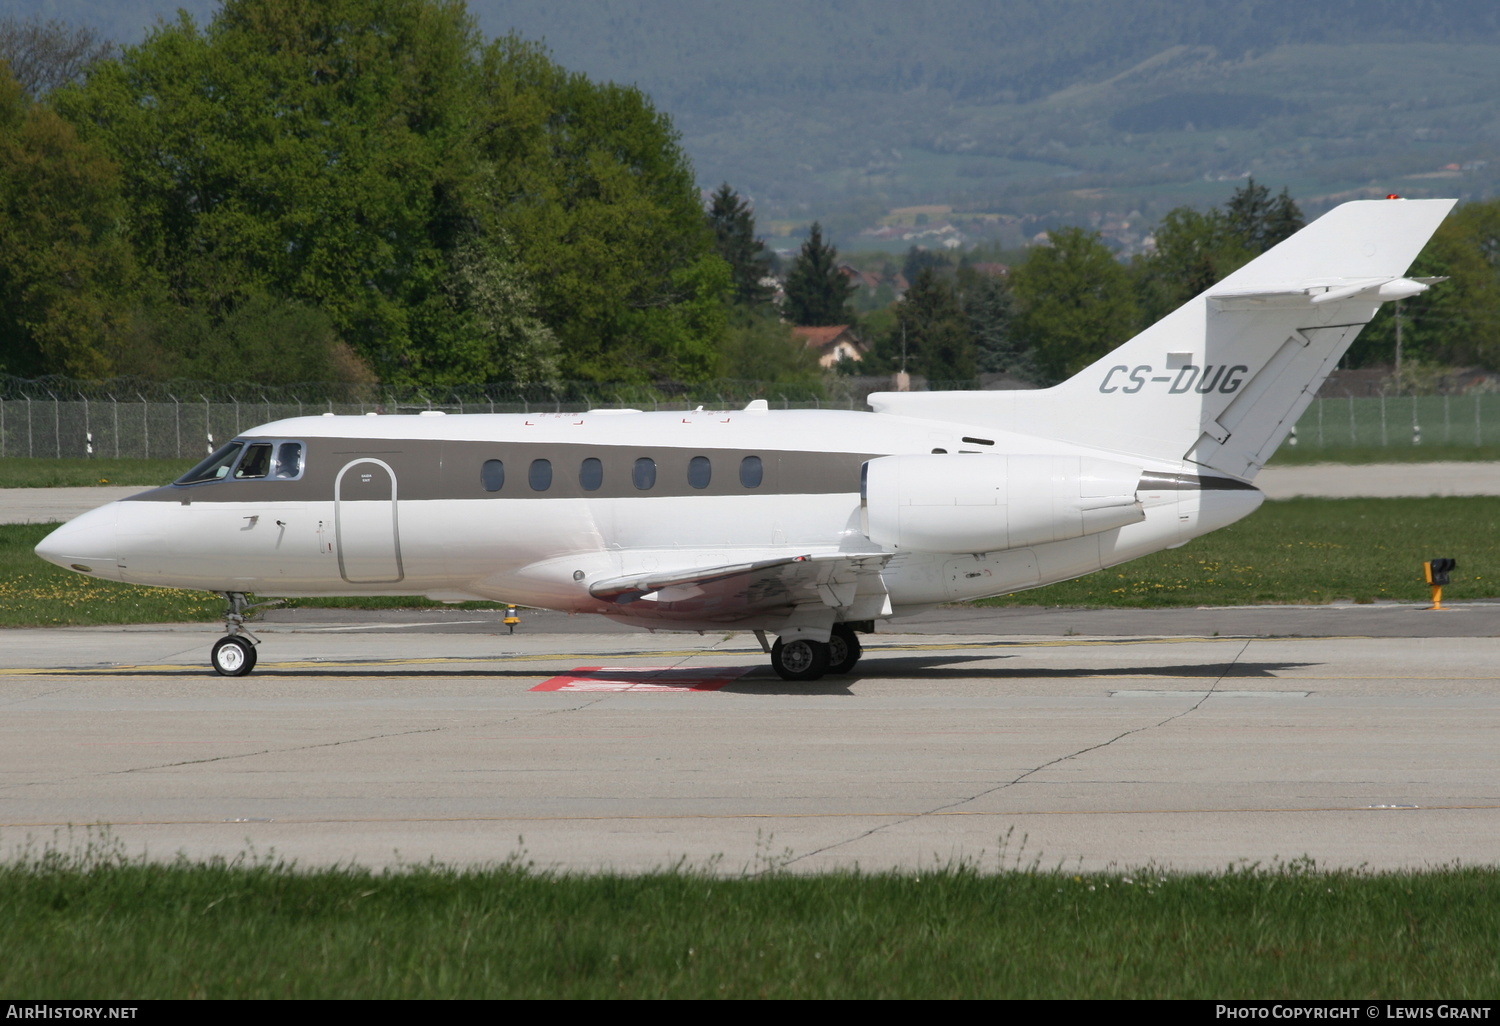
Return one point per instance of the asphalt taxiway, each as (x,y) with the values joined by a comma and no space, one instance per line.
(417,736)
(1354,735)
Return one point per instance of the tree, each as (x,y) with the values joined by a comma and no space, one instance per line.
(314,152)
(1074,303)
(817,293)
(761,347)
(930,334)
(1456,322)
(265,339)
(375,160)
(46,54)
(493,289)
(1195,251)
(589,181)
(66,273)
(733,225)
(1258,221)
(989,307)
(918,258)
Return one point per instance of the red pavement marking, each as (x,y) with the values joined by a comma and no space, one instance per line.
(643,678)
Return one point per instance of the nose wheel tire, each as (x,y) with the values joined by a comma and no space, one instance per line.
(232,657)
(844,649)
(799,659)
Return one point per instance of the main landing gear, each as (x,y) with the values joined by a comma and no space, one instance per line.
(234,654)
(801,659)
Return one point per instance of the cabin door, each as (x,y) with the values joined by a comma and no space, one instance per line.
(365,525)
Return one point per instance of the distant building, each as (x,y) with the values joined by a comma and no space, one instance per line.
(834,343)
(860,279)
(991,269)
(870,282)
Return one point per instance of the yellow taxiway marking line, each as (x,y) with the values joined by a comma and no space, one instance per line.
(914,814)
(322,664)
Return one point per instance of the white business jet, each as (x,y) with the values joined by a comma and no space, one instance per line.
(808,525)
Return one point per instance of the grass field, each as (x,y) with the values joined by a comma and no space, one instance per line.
(1305,550)
(19,472)
(96,924)
(1293,551)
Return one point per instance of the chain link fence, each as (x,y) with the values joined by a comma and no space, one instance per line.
(59,417)
(62,418)
(1399,421)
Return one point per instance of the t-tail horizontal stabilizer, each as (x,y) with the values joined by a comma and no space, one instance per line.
(1222,379)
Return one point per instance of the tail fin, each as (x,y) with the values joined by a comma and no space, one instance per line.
(1222,379)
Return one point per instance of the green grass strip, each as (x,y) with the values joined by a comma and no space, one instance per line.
(1305,551)
(84,926)
(23,472)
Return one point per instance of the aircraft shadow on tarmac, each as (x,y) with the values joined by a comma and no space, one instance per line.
(949,668)
(757,680)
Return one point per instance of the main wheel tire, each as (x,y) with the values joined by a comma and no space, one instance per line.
(844,649)
(799,659)
(232,657)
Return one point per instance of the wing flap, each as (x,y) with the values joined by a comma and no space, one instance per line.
(841,580)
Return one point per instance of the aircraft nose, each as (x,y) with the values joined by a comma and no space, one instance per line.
(86,543)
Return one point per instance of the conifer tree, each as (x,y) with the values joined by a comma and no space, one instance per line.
(733,226)
(817,293)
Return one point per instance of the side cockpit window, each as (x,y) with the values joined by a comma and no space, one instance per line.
(288,460)
(249,461)
(255,463)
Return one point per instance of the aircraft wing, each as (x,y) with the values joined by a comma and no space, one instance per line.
(849,582)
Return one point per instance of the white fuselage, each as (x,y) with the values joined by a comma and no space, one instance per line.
(402,505)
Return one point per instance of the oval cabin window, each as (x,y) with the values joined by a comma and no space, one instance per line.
(643,474)
(540,475)
(700,471)
(590,475)
(752,472)
(492,475)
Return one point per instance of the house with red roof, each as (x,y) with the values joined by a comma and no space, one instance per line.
(834,343)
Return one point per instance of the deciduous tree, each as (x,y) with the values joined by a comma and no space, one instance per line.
(1195,250)
(1074,303)
(44,54)
(377,161)
(66,273)
(1456,322)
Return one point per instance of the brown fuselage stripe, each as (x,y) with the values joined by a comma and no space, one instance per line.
(449,469)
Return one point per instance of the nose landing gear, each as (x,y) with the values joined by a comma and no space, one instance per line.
(234,654)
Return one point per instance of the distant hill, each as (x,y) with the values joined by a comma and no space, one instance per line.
(1058,110)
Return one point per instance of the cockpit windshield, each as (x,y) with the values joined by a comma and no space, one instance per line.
(242,460)
(216,467)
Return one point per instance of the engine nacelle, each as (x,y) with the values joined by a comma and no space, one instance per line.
(985,503)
